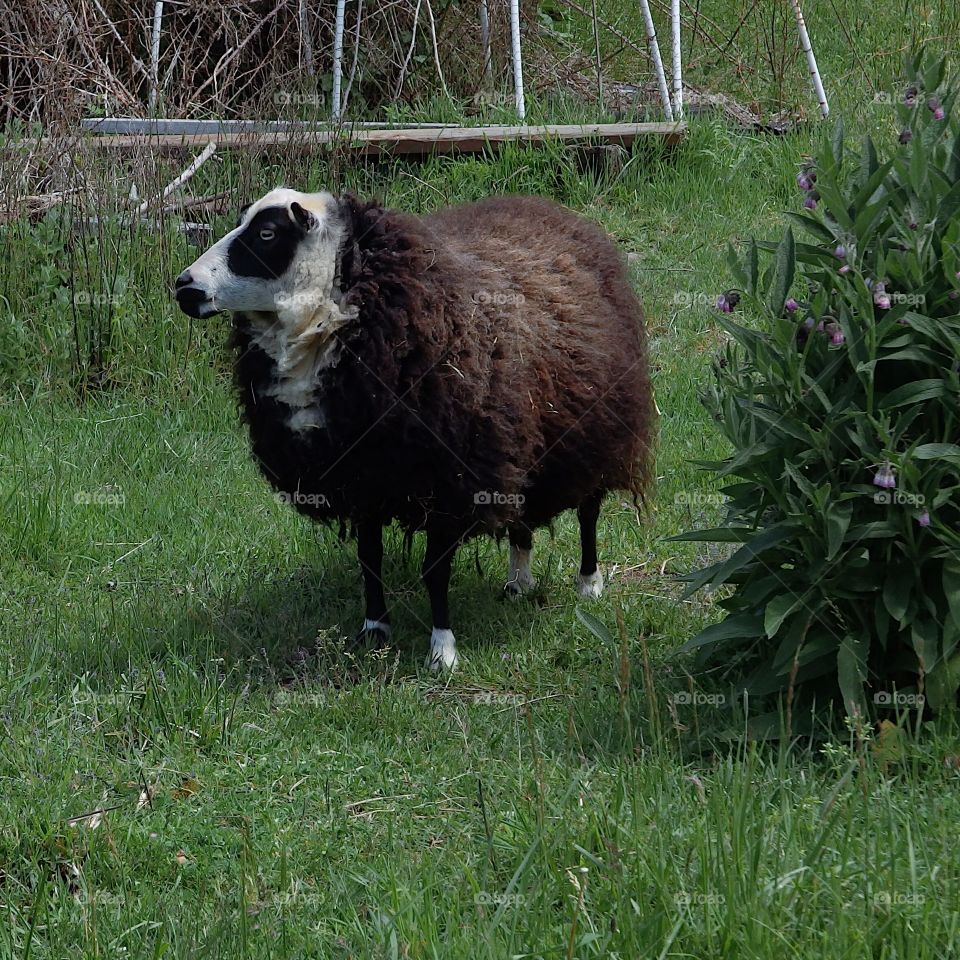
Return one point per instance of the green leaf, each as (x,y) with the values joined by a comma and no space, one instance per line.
(715,535)
(896,592)
(836,144)
(852,673)
(938,451)
(597,627)
(914,392)
(720,572)
(740,626)
(813,226)
(784,266)
(778,609)
(838,520)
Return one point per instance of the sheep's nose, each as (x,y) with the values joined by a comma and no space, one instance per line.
(184,280)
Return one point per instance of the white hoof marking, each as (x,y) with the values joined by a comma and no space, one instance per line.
(369,625)
(443,651)
(590,585)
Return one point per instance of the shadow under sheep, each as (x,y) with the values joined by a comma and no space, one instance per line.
(302,621)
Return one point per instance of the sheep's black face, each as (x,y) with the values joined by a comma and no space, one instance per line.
(279,260)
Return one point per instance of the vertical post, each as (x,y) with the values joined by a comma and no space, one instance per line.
(337,57)
(596,48)
(305,37)
(677,68)
(517,62)
(655,57)
(807,48)
(155,55)
(485,41)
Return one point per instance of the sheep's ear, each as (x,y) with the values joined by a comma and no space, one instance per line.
(303,217)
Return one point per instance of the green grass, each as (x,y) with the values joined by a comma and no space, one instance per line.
(172,651)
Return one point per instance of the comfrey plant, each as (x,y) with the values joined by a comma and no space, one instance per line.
(842,402)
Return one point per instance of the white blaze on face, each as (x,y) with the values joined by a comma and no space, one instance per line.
(278,267)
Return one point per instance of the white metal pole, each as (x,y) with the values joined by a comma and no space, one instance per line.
(155,54)
(655,56)
(677,68)
(517,62)
(337,57)
(807,48)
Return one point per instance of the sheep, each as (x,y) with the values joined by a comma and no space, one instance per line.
(477,370)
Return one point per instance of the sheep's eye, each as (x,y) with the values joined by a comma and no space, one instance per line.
(266,234)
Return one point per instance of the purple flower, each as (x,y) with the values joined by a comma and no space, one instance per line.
(939,113)
(806,178)
(727,301)
(884,477)
(933,104)
(882,300)
(910,96)
(841,252)
(791,305)
(810,203)
(906,136)
(837,337)
(924,519)
(845,268)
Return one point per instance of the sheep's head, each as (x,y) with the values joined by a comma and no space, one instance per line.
(281,259)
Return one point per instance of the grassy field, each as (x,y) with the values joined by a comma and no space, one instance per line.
(172,649)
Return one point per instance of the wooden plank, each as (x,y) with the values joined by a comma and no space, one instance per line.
(406,141)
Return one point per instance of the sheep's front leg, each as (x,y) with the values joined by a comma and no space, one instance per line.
(441,546)
(376,622)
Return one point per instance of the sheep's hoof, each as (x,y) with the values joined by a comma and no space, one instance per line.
(373,633)
(518,585)
(590,585)
(443,651)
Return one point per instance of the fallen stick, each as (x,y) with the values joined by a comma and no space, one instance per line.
(198,162)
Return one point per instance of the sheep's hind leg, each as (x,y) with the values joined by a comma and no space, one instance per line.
(376,622)
(519,579)
(590,580)
(441,546)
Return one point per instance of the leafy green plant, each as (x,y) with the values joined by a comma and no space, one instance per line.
(842,404)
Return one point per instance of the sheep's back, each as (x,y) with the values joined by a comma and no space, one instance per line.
(551,302)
